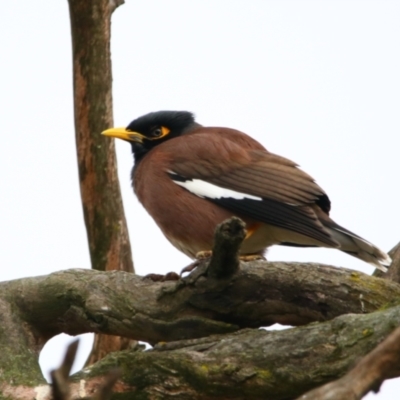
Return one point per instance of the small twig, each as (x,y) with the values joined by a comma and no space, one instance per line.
(229,235)
(59,377)
(105,390)
(368,375)
(114,4)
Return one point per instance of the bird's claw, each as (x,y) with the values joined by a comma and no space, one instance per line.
(190,267)
(200,256)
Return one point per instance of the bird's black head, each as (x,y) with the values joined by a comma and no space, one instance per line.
(152,129)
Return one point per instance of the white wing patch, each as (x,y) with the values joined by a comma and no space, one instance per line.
(205,189)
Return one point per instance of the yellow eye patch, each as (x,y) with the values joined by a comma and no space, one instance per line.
(164,131)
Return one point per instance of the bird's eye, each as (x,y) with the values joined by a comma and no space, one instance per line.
(157,132)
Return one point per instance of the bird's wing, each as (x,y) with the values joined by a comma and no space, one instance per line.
(252,183)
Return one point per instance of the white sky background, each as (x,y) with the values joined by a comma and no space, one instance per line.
(315,81)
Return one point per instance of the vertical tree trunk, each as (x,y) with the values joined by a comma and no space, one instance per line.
(101,197)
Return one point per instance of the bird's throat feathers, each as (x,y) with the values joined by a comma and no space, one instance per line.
(138,151)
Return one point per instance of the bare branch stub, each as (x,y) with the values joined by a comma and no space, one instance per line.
(105,391)
(114,4)
(59,377)
(229,235)
(61,384)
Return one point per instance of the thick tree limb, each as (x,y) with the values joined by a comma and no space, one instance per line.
(251,364)
(101,198)
(19,350)
(368,375)
(204,303)
(258,294)
(248,364)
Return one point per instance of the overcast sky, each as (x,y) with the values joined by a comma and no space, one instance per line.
(315,81)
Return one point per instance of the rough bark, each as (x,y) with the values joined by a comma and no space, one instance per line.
(248,364)
(19,349)
(252,364)
(101,198)
(367,376)
(229,235)
(259,294)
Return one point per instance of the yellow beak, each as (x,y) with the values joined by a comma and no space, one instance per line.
(122,133)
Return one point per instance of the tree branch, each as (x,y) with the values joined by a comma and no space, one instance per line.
(101,197)
(248,364)
(368,375)
(59,376)
(114,4)
(251,364)
(19,350)
(100,192)
(258,294)
(61,386)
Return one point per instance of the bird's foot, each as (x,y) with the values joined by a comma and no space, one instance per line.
(252,257)
(205,254)
(170,276)
(200,256)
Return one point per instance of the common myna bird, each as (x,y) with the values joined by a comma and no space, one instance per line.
(190,178)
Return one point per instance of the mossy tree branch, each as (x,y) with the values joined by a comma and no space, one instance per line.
(258,294)
(246,364)
(252,364)
(368,375)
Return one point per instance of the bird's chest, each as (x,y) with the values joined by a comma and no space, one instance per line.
(187,220)
(154,189)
